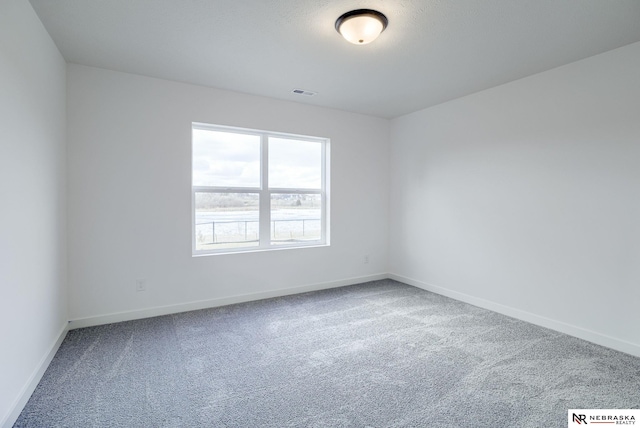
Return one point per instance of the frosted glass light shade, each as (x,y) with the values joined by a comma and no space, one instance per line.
(361,26)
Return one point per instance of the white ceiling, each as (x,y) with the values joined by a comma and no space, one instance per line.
(432,51)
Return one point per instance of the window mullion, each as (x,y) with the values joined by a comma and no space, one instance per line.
(193,220)
(323,196)
(265,197)
(213,189)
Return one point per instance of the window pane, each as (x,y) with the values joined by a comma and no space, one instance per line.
(294,164)
(226,220)
(295,218)
(225,159)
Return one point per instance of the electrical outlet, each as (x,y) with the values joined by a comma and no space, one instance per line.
(141,285)
(366,259)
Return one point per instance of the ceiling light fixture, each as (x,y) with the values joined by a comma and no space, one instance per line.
(361,26)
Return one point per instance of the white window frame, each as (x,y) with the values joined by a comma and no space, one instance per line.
(264,192)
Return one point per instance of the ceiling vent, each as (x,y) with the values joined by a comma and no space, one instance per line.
(303,92)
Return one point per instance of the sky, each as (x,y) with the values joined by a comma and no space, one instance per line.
(230,159)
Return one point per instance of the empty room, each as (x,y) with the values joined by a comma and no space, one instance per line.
(407,213)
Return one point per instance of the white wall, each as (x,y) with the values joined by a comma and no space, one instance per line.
(130,198)
(525,198)
(33,300)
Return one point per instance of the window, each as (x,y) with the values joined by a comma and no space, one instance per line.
(256,190)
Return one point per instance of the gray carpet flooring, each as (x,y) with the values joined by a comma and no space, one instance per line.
(380,354)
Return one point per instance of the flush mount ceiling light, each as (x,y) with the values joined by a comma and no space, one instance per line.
(361,26)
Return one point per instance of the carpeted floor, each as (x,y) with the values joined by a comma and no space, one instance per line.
(380,354)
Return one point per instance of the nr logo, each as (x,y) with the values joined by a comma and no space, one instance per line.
(580,419)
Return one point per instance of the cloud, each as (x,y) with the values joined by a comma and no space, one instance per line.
(228,159)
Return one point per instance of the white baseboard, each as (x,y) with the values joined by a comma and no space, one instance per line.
(572,330)
(204,304)
(14,411)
